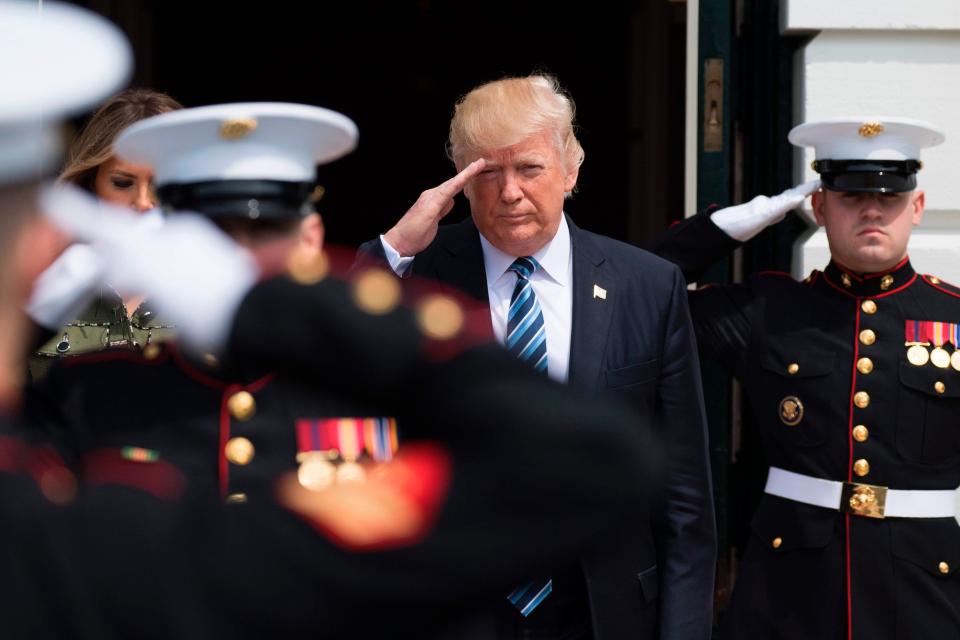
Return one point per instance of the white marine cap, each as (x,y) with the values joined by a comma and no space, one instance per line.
(54,62)
(213,159)
(867,153)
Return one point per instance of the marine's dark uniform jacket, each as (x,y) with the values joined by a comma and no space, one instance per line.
(229,423)
(512,505)
(835,345)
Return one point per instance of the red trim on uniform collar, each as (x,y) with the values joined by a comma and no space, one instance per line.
(196,374)
(210,380)
(869,285)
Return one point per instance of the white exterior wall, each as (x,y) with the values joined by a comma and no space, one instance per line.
(895,58)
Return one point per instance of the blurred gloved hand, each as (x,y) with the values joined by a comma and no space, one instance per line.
(743,221)
(72,281)
(194,272)
(65,287)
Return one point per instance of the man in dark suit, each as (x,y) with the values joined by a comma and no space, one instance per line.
(588,310)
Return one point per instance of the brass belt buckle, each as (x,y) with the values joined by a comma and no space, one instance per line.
(863,499)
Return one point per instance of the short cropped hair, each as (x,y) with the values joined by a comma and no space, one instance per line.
(504,112)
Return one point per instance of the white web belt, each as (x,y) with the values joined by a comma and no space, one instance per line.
(863,499)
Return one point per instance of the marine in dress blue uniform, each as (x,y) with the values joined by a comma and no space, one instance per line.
(854,379)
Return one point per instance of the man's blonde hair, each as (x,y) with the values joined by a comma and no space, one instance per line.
(504,112)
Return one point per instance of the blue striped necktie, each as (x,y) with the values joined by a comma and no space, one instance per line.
(526,334)
(527,339)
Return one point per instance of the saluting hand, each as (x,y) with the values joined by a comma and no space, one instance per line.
(418,226)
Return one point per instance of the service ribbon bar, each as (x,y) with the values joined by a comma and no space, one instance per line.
(380,436)
(347,437)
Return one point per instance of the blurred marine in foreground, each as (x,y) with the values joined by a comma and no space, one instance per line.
(467,509)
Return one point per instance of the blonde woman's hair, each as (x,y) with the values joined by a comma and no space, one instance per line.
(504,112)
(94,145)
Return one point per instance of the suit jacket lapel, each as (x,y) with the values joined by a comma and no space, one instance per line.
(459,260)
(594,295)
(459,263)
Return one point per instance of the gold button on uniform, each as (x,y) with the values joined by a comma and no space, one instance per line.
(861,467)
(868,306)
(864,365)
(377,292)
(776,542)
(239,451)
(886,282)
(861,399)
(940,387)
(241,405)
(868,337)
(861,433)
(792,368)
(944,568)
(236,498)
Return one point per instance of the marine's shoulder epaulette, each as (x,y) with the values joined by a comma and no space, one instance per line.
(940,285)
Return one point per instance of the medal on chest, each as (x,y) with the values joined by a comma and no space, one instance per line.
(921,334)
(329,449)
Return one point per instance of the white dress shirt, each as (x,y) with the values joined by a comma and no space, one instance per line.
(552,283)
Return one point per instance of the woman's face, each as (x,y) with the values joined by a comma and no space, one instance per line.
(125,184)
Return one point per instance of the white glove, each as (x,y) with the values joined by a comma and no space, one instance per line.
(194,272)
(743,221)
(71,282)
(65,287)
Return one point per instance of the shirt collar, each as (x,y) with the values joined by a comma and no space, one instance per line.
(554,257)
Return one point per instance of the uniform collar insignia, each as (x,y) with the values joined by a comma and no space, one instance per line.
(861,285)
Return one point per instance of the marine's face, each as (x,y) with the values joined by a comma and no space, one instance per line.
(125,184)
(517,199)
(868,232)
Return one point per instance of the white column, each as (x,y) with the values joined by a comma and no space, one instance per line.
(886,58)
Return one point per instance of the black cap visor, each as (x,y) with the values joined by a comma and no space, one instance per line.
(250,199)
(886,176)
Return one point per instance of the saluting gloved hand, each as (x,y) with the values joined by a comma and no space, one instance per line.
(191,269)
(72,281)
(65,287)
(743,221)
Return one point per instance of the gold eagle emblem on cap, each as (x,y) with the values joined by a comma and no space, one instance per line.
(236,128)
(871,129)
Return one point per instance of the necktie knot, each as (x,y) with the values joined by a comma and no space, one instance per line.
(524,267)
